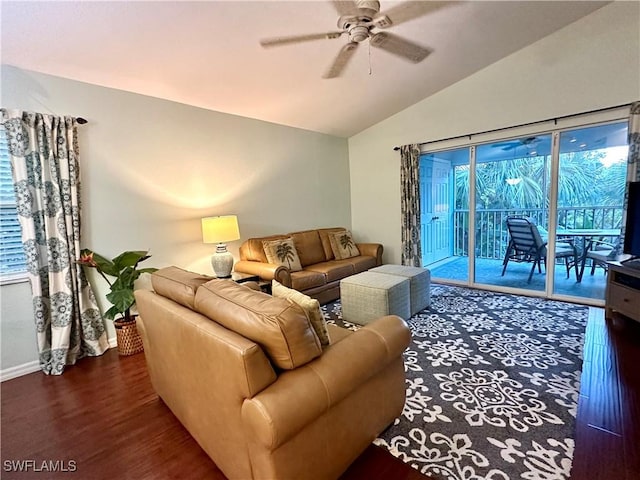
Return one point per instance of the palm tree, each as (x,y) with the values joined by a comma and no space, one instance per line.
(522,185)
(346,242)
(284,252)
(582,181)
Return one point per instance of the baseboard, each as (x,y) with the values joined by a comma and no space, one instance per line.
(30,367)
(19,370)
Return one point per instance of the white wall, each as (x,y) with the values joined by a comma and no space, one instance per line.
(590,64)
(17,330)
(152,168)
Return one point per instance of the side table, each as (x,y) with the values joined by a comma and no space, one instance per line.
(623,291)
(240,277)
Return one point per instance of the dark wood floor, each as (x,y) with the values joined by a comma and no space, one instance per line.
(608,422)
(103,416)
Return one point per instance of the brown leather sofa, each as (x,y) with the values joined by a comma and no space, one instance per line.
(321,272)
(246,375)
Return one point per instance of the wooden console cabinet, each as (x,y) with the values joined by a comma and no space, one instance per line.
(623,291)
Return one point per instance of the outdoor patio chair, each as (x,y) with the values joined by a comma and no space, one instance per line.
(599,252)
(527,245)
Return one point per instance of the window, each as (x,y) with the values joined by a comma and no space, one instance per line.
(12,261)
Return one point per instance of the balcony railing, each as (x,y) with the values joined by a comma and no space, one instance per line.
(492,236)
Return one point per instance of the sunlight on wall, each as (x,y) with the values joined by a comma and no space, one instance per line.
(204,185)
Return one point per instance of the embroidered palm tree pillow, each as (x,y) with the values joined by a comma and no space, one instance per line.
(311,308)
(282,252)
(342,245)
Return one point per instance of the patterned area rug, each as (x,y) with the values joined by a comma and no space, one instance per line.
(492,386)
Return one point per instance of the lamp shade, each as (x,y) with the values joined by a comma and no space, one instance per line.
(220,229)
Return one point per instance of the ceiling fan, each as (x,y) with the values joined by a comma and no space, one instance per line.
(529,141)
(358,19)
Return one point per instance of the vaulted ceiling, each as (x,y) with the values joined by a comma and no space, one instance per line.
(208,54)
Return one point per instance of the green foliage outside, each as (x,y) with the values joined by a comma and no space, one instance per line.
(590,195)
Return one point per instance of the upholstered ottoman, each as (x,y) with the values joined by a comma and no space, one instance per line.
(370,295)
(419,283)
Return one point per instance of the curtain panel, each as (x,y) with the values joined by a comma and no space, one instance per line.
(43,150)
(410,205)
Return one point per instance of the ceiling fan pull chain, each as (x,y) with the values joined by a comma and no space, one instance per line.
(369,56)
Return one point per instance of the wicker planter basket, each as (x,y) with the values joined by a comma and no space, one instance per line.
(129,340)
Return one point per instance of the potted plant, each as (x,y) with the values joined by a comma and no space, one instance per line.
(124,269)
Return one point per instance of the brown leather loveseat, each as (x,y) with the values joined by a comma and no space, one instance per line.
(321,272)
(247,376)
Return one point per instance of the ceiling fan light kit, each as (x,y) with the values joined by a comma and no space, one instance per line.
(357,19)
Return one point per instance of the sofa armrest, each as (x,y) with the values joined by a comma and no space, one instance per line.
(266,271)
(299,396)
(372,250)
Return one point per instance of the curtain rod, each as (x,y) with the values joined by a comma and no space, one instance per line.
(554,119)
(82,121)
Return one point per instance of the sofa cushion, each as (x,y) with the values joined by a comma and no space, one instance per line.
(311,306)
(282,252)
(333,270)
(177,284)
(342,245)
(309,247)
(306,279)
(326,243)
(279,326)
(361,263)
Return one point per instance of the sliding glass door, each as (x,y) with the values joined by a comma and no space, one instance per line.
(511,185)
(569,182)
(591,180)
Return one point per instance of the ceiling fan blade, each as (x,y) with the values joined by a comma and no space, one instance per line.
(505,144)
(517,143)
(341,60)
(345,7)
(407,11)
(277,41)
(399,46)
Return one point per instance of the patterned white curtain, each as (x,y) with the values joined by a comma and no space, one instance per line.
(43,150)
(410,205)
(633,163)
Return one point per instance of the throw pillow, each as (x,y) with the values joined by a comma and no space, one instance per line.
(343,245)
(311,306)
(282,252)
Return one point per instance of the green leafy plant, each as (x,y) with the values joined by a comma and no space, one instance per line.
(124,268)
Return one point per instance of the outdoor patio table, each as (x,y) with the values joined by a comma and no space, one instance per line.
(584,235)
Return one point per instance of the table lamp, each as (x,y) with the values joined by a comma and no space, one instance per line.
(220,230)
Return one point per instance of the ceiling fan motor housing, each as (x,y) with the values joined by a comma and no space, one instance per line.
(358,33)
(360,25)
